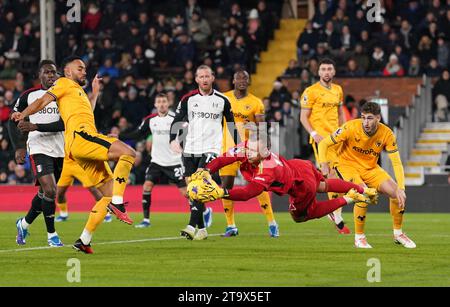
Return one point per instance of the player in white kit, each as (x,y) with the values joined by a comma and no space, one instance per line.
(46,149)
(165,162)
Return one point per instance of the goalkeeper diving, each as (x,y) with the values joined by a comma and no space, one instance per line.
(267,171)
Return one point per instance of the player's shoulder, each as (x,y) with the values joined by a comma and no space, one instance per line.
(221,95)
(188,95)
(384,129)
(150,116)
(171,114)
(30,90)
(336,87)
(254,99)
(62,81)
(229,94)
(353,124)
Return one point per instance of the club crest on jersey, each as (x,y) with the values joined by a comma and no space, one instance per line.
(39,168)
(339,131)
(378,143)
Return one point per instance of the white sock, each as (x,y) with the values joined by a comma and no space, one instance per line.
(51,235)
(86,237)
(147,220)
(359,236)
(398,232)
(117,200)
(24,223)
(338,217)
(202,229)
(273,223)
(63,214)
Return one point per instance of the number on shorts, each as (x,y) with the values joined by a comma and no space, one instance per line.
(179,172)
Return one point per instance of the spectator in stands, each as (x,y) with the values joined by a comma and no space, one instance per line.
(279,92)
(6,154)
(359,23)
(141,65)
(268,22)
(367,41)
(164,52)
(443,52)
(219,54)
(191,7)
(347,39)
(339,20)
(415,69)
(92,19)
(5,111)
(3,176)
(353,70)
(330,36)
(308,37)
(442,87)
(425,49)
(393,67)
(361,58)
(407,38)
(19,176)
(378,61)
(238,52)
(350,108)
(305,80)
(293,70)
(184,50)
(199,28)
(108,68)
(9,98)
(126,67)
(433,69)
(9,71)
(321,16)
(189,81)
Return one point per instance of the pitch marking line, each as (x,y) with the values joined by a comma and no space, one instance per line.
(102,243)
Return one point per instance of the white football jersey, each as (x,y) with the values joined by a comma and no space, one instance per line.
(204,115)
(47,143)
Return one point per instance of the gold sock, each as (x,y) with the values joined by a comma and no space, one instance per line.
(359,217)
(121,173)
(228,208)
(62,207)
(396,213)
(266,206)
(97,214)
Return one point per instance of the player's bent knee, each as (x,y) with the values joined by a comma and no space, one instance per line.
(148,186)
(50,192)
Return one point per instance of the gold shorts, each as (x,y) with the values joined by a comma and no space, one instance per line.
(230,169)
(373,177)
(72,170)
(90,151)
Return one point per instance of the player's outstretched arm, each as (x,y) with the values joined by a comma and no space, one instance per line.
(33,108)
(250,191)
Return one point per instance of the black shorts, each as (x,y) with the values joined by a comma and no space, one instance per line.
(45,165)
(174,174)
(192,162)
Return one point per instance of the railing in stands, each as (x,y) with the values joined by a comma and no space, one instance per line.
(410,125)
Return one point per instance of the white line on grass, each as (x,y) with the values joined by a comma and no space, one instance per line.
(102,243)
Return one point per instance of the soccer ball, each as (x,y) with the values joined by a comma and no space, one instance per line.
(193,189)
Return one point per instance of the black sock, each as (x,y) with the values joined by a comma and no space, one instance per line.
(340,225)
(48,208)
(196,214)
(201,221)
(35,210)
(146,203)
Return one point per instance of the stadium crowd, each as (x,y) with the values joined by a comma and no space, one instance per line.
(140,48)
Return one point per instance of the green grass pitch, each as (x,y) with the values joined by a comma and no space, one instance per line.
(307,254)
